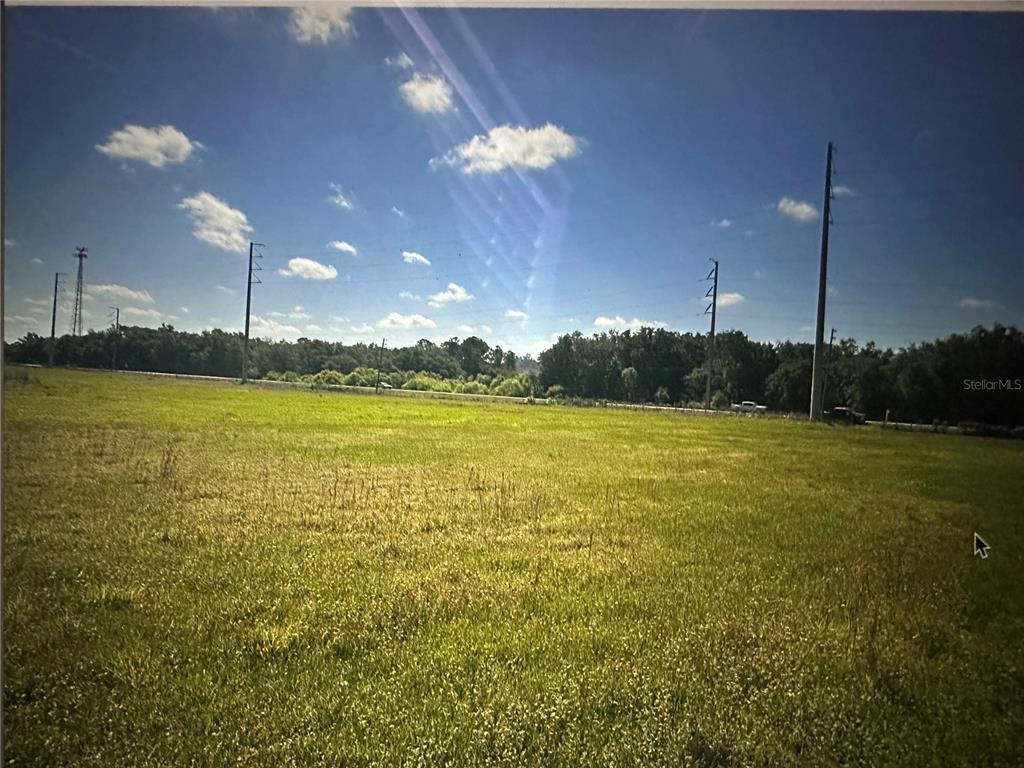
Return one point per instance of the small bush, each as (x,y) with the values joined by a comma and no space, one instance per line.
(556,391)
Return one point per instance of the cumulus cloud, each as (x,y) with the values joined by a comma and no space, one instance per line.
(427,94)
(839,190)
(341,245)
(313,328)
(721,223)
(409,295)
(321,23)
(397,320)
(453,293)
(411,257)
(42,303)
(508,146)
(115,291)
(308,269)
(464,328)
(35,260)
(486,329)
(401,61)
(728,299)
(264,328)
(145,314)
(299,313)
(972,302)
(516,314)
(157,146)
(796,209)
(621,323)
(340,199)
(217,223)
(362,328)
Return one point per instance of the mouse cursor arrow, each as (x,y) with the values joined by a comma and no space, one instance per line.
(981,546)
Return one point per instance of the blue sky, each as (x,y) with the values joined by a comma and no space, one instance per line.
(558,169)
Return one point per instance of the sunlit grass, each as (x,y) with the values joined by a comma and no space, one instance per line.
(198,573)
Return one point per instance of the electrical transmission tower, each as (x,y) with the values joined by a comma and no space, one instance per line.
(253,253)
(712,309)
(818,369)
(76,314)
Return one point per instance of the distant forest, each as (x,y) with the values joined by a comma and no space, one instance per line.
(977,376)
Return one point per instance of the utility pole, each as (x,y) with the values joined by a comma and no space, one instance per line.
(53,317)
(117,332)
(828,366)
(76,316)
(819,330)
(380,363)
(248,306)
(712,308)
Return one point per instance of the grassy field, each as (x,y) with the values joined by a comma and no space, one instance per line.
(201,574)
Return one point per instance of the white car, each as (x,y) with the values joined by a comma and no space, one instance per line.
(749,406)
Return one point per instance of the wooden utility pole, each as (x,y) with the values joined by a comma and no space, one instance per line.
(818,369)
(828,366)
(117,332)
(53,317)
(380,364)
(713,309)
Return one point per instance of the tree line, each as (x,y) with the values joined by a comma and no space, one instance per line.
(975,376)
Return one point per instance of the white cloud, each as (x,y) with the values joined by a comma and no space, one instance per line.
(340,199)
(516,314)
(217,223)
(401,61)
(972,302)
(721,223)
(620,323)
(22,319)
(396,320)
(464,328)
(486,329)
(728,299)
(320,23)
(362,328)
(261,327)
(839,190)
(148,314)
(507,146)
(299,313)
(43,303)
(308,270)
(9,243)
(427,94)
(797,210)
(341,245)
(36,260)
(155,146)
(454,292)
(398,212)
(411,257)
(186,310)
(115,291)
(409,295)
(313,328)
(228,291)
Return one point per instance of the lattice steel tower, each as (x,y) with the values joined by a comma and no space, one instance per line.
(76,315)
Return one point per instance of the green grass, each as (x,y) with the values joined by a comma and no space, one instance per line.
(201,574)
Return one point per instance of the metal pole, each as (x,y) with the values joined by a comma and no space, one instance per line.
(819,331)
(53,316)
(248,307)
(711,339)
